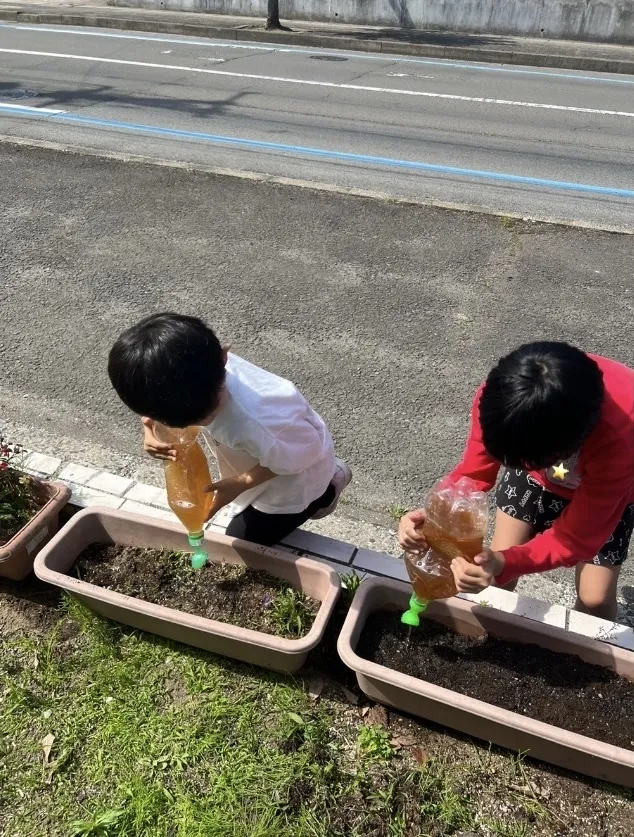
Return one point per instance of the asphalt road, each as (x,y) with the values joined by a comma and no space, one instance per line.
(388,316)
(541,143)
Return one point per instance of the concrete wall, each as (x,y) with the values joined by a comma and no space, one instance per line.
(598,20)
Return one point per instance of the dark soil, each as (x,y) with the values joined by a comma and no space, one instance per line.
(559,689)
(225,592)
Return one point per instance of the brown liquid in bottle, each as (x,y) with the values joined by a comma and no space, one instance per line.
(186,480)
(433,579)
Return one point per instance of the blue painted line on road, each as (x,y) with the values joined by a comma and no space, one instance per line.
(270,47)
(324,153)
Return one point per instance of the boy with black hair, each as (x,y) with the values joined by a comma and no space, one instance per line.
(561,422)
(275,453)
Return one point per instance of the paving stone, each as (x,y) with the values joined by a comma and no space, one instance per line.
(110,483)
(526,606)
(148,511)
(42,463)
(88,497)
(78,474)
(601,629)
(143,493)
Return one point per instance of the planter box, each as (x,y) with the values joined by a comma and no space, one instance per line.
(97,525)
(474,717)
(18,554)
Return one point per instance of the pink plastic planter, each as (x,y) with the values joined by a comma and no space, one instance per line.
(474,717)
(18,554)
(107,526)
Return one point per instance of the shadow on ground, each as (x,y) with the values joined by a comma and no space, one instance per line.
(105,94)
(405,33)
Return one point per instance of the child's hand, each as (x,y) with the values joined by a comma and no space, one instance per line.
(476,577)
(225,492)
(409,532)
(151,445)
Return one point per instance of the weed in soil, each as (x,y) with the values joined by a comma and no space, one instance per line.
(292,612)
(225,592)
(350,584)
(374,743)
(559,689)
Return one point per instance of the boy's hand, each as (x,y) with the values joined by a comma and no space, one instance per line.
(151,445)
(476,577)
(225,492)
(409,532)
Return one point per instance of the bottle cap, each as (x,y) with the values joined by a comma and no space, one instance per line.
(411,616)
(199,557)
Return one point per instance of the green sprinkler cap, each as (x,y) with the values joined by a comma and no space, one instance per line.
(411,617)
(199,556)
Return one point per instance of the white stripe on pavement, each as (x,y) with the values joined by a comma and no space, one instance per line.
(52,111)
(328,84)
(389,58)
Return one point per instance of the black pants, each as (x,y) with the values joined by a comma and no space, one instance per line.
(520,495)
(269,529)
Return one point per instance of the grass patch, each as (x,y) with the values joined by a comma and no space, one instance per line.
(374,744)
(106,732)
(397,510)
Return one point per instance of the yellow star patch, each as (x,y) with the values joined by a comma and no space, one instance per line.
(559,472)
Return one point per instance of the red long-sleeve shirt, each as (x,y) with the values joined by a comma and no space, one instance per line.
(604,481)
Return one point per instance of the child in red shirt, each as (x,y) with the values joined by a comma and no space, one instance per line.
(561,422)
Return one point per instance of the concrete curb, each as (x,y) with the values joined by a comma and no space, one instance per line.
(324,41)
(91,487)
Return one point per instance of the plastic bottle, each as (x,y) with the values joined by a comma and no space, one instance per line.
(456,523)
(186,480)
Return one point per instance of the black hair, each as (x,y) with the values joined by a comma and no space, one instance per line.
(539,404)
(169,367)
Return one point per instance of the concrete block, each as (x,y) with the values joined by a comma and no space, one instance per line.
(42,463)
(601,629)
(314,544)
(148,495)
(529,608)
(78,474)
(161,498)
(538,611)
(377,563)
(148,511)
(110,483)
(341,569)
(88,497)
